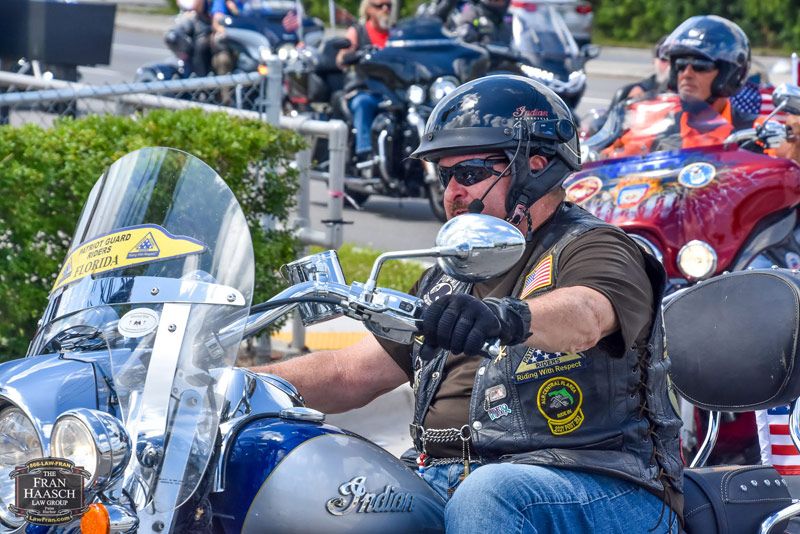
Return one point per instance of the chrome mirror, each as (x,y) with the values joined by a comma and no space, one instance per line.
(787,98)
(487,247)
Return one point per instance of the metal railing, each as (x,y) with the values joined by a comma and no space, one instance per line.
(38,99)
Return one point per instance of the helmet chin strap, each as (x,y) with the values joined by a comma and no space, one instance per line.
(535,186)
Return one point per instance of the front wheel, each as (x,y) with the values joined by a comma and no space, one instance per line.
(436,200)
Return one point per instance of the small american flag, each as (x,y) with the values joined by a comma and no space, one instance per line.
(777,447)
(756,99)
(291,21)
(541,276)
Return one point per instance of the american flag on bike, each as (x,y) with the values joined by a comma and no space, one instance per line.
(756,99)
(291,22)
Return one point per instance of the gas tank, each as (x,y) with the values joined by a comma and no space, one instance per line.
(302,477)
(716,194)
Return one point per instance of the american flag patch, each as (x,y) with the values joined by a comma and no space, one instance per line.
(541,276)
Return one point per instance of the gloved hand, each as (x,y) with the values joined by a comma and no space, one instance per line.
(462,323)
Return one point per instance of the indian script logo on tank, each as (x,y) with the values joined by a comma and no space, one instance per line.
(560,402)
(354,497)
(49,491)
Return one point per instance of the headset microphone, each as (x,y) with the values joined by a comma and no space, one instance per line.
(476,206)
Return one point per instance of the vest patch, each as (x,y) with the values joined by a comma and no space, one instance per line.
(537,364)
(499,411)
(541,276)
(444,287)
(560,400)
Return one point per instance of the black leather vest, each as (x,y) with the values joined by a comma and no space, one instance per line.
(592,411)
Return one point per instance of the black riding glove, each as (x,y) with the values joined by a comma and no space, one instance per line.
(462,324)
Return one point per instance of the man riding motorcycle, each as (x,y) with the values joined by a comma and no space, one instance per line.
(709,59)
(571,422)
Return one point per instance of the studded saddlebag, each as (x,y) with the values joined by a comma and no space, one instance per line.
(732,499)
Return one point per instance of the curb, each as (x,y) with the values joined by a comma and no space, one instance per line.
(322,340)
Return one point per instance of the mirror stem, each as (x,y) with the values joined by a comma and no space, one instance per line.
(461,250)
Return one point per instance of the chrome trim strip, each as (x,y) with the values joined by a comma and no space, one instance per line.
(708,443)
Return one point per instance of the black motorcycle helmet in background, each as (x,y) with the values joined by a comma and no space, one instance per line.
(513,115)
(716,39)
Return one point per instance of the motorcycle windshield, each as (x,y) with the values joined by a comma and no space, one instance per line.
(161,265)
(542,33)
(663,123)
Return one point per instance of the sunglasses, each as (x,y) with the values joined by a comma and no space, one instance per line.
(698,64)
(472,171)
(386,5)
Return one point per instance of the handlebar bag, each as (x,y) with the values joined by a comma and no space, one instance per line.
(732,499)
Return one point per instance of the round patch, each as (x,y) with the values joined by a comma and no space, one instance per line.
(138,322)
(630,196)
(697,175)
(439,290)
(792,260)
(584,189)
(560,402)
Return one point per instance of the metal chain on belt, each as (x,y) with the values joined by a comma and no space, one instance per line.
(445,435)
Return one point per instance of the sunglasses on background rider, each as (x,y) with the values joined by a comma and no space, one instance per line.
(698,64)
(385,5)
(471,171)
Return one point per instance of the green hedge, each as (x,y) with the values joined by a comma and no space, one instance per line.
(768,23)
(46,174)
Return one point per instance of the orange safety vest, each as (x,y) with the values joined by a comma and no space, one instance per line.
(634,142)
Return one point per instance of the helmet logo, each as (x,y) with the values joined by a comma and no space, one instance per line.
(535,114)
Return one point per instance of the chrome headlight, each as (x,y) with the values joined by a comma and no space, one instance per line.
(93,440)
(536,72)
(441,87)
(697,260)
(19,443)
(415,95)
(286,51)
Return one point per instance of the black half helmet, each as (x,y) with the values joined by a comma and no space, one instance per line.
(510,114)
(716,39)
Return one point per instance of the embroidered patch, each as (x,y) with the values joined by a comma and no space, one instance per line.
(441,289)
(632,195)
(560,400)
(584,189)
(495,393)
(541,276)
(697,175)
(499,411)
(538,364)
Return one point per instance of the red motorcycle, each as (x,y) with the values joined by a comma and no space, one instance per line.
(702,199)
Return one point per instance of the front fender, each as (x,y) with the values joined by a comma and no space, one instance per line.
(45,386)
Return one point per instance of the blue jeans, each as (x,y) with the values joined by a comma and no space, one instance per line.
(517,498)
(363,106)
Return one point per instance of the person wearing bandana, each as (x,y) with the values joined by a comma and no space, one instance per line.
(571,427)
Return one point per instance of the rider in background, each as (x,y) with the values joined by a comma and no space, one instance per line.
(709,60)
(372,31)
(657,82)
(477,21)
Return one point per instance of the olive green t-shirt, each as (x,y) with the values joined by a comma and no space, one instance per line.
(601,259)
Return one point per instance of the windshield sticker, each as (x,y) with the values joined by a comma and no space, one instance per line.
(632,195)
(138,322)
(584,189)
(126,247)
(560,402)
(697,175)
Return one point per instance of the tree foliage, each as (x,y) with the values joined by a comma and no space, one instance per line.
(46,175)
(768,23)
